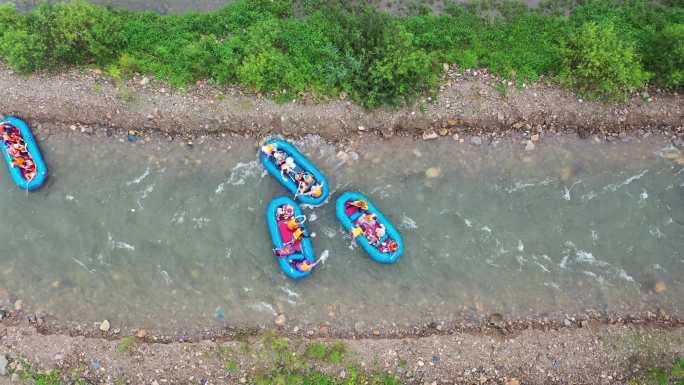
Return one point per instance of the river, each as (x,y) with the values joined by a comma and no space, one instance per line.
(165,236)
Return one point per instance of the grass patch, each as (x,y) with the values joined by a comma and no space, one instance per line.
(331,353)
(673,374)
(127,345)
(604,49)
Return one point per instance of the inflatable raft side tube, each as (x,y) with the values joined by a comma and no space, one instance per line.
(390,230)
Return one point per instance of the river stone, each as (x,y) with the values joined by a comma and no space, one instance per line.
(280,320)
(566,173)
(513,381)
(529,146)
(433,172)
(430,135)
(104,326)
(3,365)
(660,287)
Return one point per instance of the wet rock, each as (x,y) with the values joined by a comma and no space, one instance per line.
(476,140)
(660,287)
(4,297)
(376,332)
(534,138)
(3,365)
(280,320)
(454,122)
(362,129)
(433,172)
(496,318)
(672,155)
(87,130)
(566,173)
(529,146)
(430,135)
(104,326)
(387,132)
(343,156)
(567,323)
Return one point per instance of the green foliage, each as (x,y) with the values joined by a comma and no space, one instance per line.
(601,65)
(666,376)
(333,353)
(127,344)
(288,48)
(666,56)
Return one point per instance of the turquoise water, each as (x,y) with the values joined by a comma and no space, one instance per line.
(161,235)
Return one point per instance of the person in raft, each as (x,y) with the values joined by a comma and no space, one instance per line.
(16,148)
(285,214)
(367,225)
(305,185)
(288,168)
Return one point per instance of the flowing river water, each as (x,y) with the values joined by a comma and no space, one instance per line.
(161,235)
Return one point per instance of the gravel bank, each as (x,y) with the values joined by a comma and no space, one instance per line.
(595,354)
(470,102)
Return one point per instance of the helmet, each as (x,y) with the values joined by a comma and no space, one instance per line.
(268,149)
(356,231)
(361,204)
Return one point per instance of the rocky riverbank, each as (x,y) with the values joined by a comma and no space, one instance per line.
(588,352)
(468,102)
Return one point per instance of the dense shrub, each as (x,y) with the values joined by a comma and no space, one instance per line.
(327,47)
(667,56)
(599,64)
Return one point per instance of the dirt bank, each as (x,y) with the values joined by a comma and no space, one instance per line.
(468,102)
(594,354)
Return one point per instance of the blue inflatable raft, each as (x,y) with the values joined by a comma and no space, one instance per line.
(292,169)
(281,212)
(369,228)
(31,148)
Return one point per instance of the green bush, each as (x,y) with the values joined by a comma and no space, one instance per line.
(600,65)
(667,55)
(327,47)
